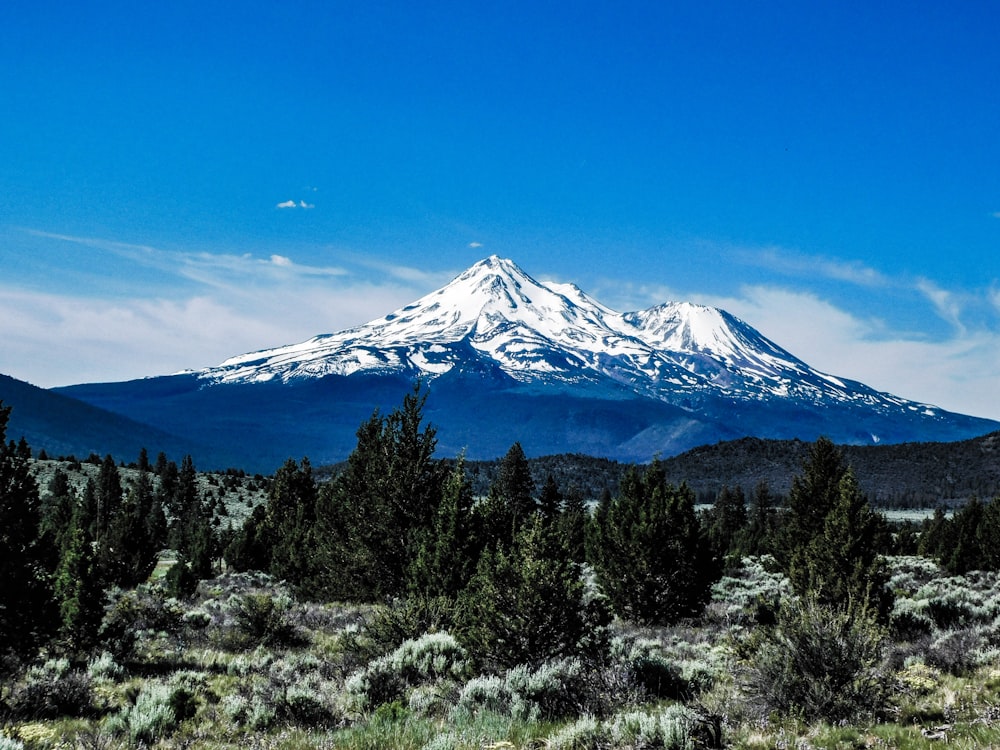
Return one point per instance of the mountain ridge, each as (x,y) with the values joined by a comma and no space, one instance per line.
(508,358)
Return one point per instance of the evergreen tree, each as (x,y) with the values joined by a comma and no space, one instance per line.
(373,516)
(936,535)
(989,536)
(511,499)
(649,552)
(844,564)
(758,537)
(969,540)
(128,552)
(572,525)
(26,604)
(108,499)
(58,509)
(525,606)
(725,523)
(250,548)
(550,501)
(289,521)
(79,589)
(813,495)
(447,556)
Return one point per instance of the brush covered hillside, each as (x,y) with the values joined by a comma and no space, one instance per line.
(904,475)
(908,475)
(388,606)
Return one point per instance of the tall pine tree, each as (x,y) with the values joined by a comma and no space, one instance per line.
(372,517)
(26,603)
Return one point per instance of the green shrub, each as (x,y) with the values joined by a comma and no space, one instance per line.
(821,663)
(197,619)
(674,727)
(586,733)
(304,706)
(649,667)
(259,660)
(484,693)
(908,573)
(51,690)
(104,666)
(150,717)
(430,658)
(957,652)
(555,689)
(9,743)
(753,593)
(262,620)
(669,729)
(131,613)
(404,620)
(910,619)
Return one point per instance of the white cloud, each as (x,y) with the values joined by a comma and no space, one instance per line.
(475,245)
(944,302)
(791,263)
(281,260)
(52,339)
(287,204)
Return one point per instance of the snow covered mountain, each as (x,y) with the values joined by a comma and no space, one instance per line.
(496,315)
(510,358)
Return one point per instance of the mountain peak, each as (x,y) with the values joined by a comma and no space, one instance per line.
(495,317)
(510,358)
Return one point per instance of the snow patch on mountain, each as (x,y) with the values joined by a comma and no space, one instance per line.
(496,315)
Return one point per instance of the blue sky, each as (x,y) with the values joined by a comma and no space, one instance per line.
(181,182)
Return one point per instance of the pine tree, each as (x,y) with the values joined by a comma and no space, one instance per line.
(26,603)
(725,522)
(372,517)
(79,589)
(572,525)
(108,499)
(649,552)
(447,555)
(525,606)
(250,548)
(289,520)
(813,495)
(844,562)
(758,537)
(511,499)
(550,501)
(128,553)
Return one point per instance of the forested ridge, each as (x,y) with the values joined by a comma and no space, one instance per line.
(398,598)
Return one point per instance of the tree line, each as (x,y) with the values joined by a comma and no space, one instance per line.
(503,571)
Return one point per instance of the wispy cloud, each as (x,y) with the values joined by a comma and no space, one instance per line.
(475,245)
(294,204)
(945,303)
(790,263)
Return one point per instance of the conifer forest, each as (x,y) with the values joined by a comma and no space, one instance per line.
(394,601)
